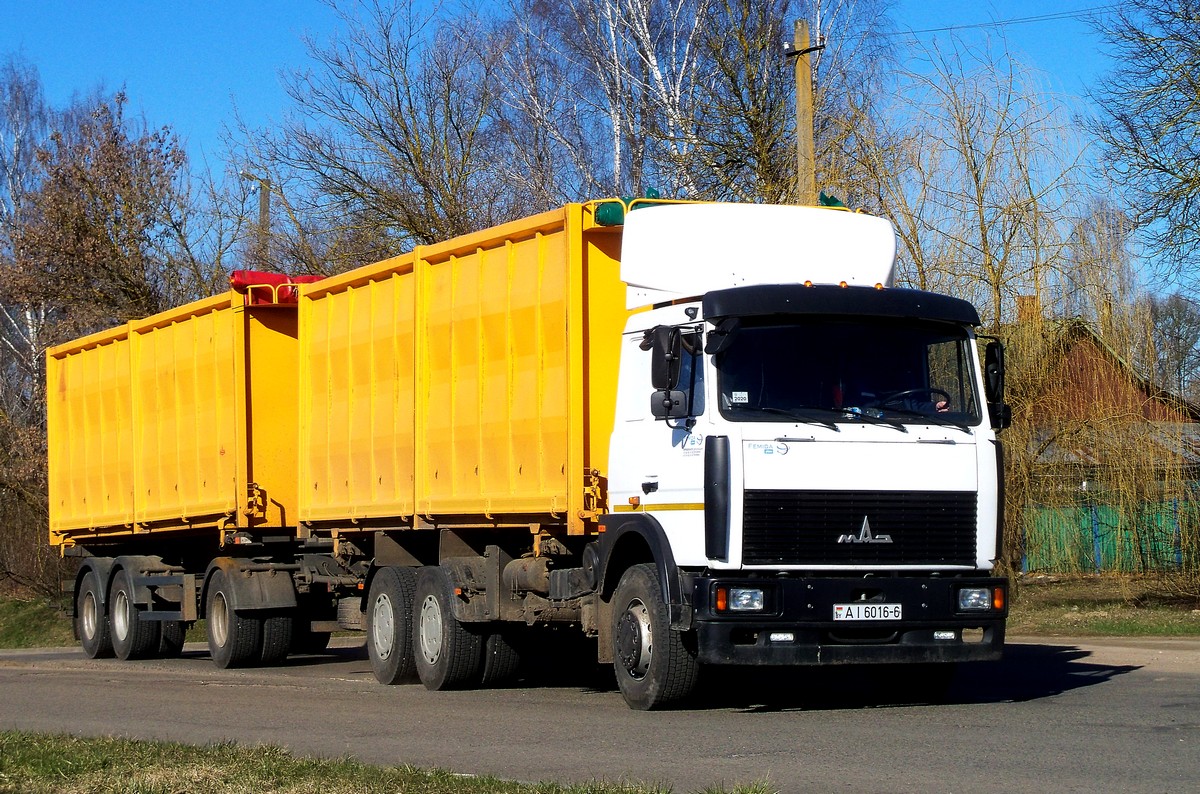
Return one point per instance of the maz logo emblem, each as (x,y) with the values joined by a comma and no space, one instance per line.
(864,535)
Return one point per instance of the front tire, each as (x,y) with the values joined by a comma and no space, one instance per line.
(234,638)
(132,638)
(655,666)
(389,625)
(448,655)
(91,624)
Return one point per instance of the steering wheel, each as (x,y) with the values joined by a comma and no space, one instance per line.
(924,390)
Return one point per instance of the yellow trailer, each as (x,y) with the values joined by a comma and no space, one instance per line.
(465,383)
(181,424)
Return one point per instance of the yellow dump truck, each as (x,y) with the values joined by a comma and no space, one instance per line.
(699,433)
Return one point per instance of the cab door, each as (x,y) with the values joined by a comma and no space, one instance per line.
(658,463)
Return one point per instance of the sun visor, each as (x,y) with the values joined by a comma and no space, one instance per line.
(677,251)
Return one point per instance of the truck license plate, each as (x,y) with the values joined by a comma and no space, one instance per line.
(866,611)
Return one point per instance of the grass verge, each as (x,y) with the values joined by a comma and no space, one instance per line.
(31,762)
(33,623)
(1099,606)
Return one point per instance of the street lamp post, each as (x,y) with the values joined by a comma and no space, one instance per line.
(264,216)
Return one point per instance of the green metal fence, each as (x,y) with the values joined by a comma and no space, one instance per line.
(1095,537)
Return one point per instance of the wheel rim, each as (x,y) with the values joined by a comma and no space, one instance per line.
(88,615)
(218,620)
(383,626)
(431,629)
(120,616)
(634,640)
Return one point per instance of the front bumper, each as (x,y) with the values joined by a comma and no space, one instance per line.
(803,608)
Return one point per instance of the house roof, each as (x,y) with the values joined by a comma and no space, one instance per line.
(1071,330)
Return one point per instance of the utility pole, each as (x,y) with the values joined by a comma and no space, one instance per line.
(264,217)
(806,162)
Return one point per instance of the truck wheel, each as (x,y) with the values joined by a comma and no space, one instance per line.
(170,644)
(389,625)
(448,656)
(501,659)
(132,638)
(91,624)
(655,667)
(234,638)
(277,637)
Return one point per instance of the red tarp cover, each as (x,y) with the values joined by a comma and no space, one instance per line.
(262,287)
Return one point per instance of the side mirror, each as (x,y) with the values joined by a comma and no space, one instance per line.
(993,383)
(665,347)
(668,404)
(993,371)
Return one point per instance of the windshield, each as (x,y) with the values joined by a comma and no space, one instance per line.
(903,371)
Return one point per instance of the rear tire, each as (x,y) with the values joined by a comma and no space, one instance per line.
(277,637)
(132,638)
(234,638)
(501,660)
(389,625)
(91,624)
(448,655)
(170,644)
(655,666)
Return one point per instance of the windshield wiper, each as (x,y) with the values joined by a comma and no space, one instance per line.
(872,416)
(804,413)
(933,419)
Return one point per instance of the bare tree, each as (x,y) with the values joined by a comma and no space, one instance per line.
(851,76)
(1176,334)
(693,97)
(1150,125)
(743,135)
(23,329)
(99,224)
(390,141)
(978,176)
(94,232)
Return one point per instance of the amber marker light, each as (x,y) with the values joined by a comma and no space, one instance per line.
(878,286)
(635,500)
(843,284)
(808,283)
(722,599)
(998,598)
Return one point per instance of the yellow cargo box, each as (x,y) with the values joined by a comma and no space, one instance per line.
(182,422)
(471,382)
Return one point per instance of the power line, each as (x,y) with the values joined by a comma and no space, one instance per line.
(1081,13)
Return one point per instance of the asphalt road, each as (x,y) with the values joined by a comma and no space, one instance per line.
(1060,716)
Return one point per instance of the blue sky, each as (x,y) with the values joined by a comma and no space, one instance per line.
(187,64)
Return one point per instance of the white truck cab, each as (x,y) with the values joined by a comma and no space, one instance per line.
(812,450)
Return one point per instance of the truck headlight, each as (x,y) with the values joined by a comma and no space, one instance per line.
(974,599)
(740,599)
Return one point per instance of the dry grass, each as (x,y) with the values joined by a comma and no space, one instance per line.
(1107,605)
